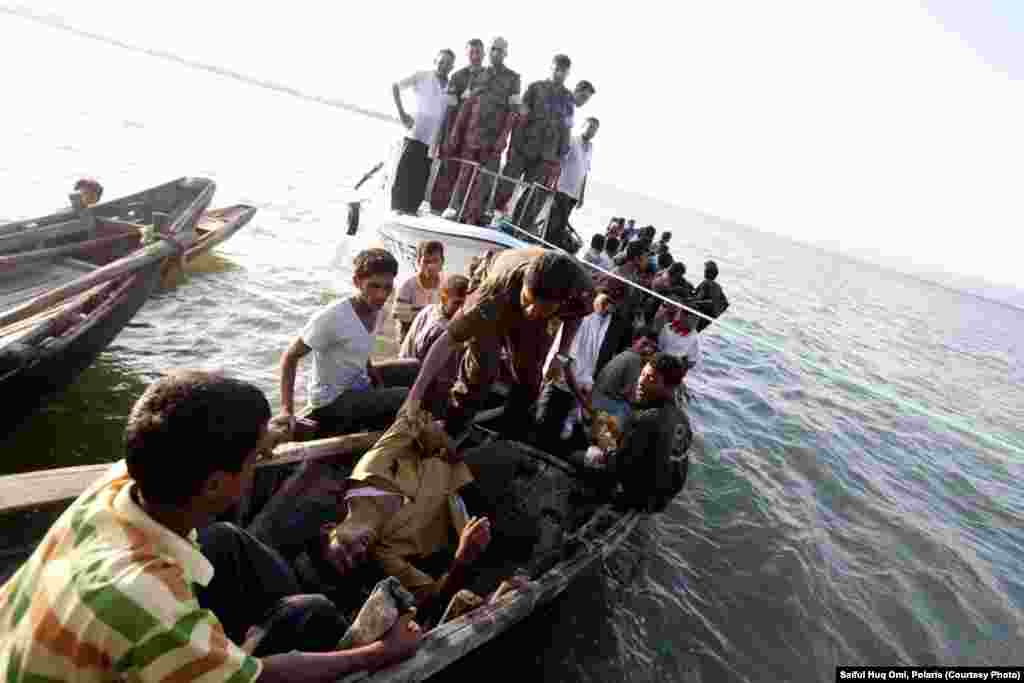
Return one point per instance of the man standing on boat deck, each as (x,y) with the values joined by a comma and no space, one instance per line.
(572,181)
(346,392)
(710,295)
(520,292)
(484,122)
(123,587)
(426,328)
(540,137)
(413,168)
(459,88)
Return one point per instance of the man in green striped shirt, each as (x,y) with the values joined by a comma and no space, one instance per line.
(110,594)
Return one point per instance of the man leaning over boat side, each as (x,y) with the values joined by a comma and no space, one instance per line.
(521,291)
(430,324)
(420,289)
(710,295)
(483,124)
(413,168)
(119,589)
(451,139)
(346,392)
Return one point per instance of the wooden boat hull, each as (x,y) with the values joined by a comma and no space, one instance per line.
(217,226)
(598,537)
(45,370)
(71,281)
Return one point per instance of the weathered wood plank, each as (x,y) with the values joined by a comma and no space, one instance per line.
(33,236)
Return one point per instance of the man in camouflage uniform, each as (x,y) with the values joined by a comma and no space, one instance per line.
(459,88)
(540,139)
(483,124)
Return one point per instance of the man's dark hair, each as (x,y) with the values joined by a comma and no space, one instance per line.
(635,249)
(668,367)
(456,284)
(650,232)
(447,51)
(666,236)
(676,271)
(475,42)
(597,242)
(611,245)
(562,62)
(710,270)
(370,262)
(664,260)
(586,85)
(188,425)
(554,277)
(592,118)
(646,332)
(90,184)
(429,248)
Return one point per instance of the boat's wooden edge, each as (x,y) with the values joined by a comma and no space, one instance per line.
(63,484)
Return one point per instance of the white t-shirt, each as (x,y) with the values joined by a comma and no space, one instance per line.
(673,343)
(431,104)
(575,166)
(341,346)
(584,350)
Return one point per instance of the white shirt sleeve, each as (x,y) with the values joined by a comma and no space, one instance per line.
(322,331)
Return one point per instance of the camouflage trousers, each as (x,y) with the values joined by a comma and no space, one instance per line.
(480,191)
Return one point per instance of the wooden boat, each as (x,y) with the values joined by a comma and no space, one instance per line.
(69,283)
(29,503)
(217,226)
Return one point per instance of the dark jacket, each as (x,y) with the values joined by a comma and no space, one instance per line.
(652,463)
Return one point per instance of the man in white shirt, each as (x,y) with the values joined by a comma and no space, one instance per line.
(346,392)
(413,168)
(572,182)
(680,338)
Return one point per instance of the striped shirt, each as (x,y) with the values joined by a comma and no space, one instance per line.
(108,596)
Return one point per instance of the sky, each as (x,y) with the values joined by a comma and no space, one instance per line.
(879,124)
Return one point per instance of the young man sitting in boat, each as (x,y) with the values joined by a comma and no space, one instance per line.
(520,290)
(420,289)
(402,510)
(430,324)
(119,589)
(346,392)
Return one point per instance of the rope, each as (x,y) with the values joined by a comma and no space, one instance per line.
(955,422)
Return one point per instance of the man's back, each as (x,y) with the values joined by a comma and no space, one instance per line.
(650,462)
(108,594)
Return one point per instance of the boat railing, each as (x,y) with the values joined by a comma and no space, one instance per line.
(523,195)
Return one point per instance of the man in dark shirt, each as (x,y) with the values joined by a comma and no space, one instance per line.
(521,290)
(652,463)
(710,297)
(540,138)
(459,87)
(483,124)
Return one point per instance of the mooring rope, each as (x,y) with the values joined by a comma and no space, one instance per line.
(955,422)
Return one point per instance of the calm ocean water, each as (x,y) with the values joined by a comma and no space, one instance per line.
(821,525)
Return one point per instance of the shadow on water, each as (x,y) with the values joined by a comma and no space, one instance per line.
(80,426)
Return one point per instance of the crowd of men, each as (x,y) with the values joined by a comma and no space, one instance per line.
(138,580)
(477,115)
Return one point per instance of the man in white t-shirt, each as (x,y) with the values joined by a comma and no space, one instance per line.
(680,338)
(346,392)
(413,168)
(572,182)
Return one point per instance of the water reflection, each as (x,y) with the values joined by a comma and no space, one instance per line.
(80,426)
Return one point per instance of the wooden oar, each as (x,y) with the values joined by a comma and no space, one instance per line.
(24,258)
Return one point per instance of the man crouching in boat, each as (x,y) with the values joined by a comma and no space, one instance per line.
(119,589)
(402,510)
(650,462)
(346,392)
(519,291)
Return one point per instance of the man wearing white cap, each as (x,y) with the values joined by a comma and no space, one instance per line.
(487,117)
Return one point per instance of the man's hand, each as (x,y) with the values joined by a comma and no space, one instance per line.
(402,641)
(407,120)
(476,535)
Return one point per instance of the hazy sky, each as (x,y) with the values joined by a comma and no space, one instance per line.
(885,124)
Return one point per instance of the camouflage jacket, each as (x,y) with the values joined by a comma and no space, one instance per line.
(546,133)
(461,82)
(492,87)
